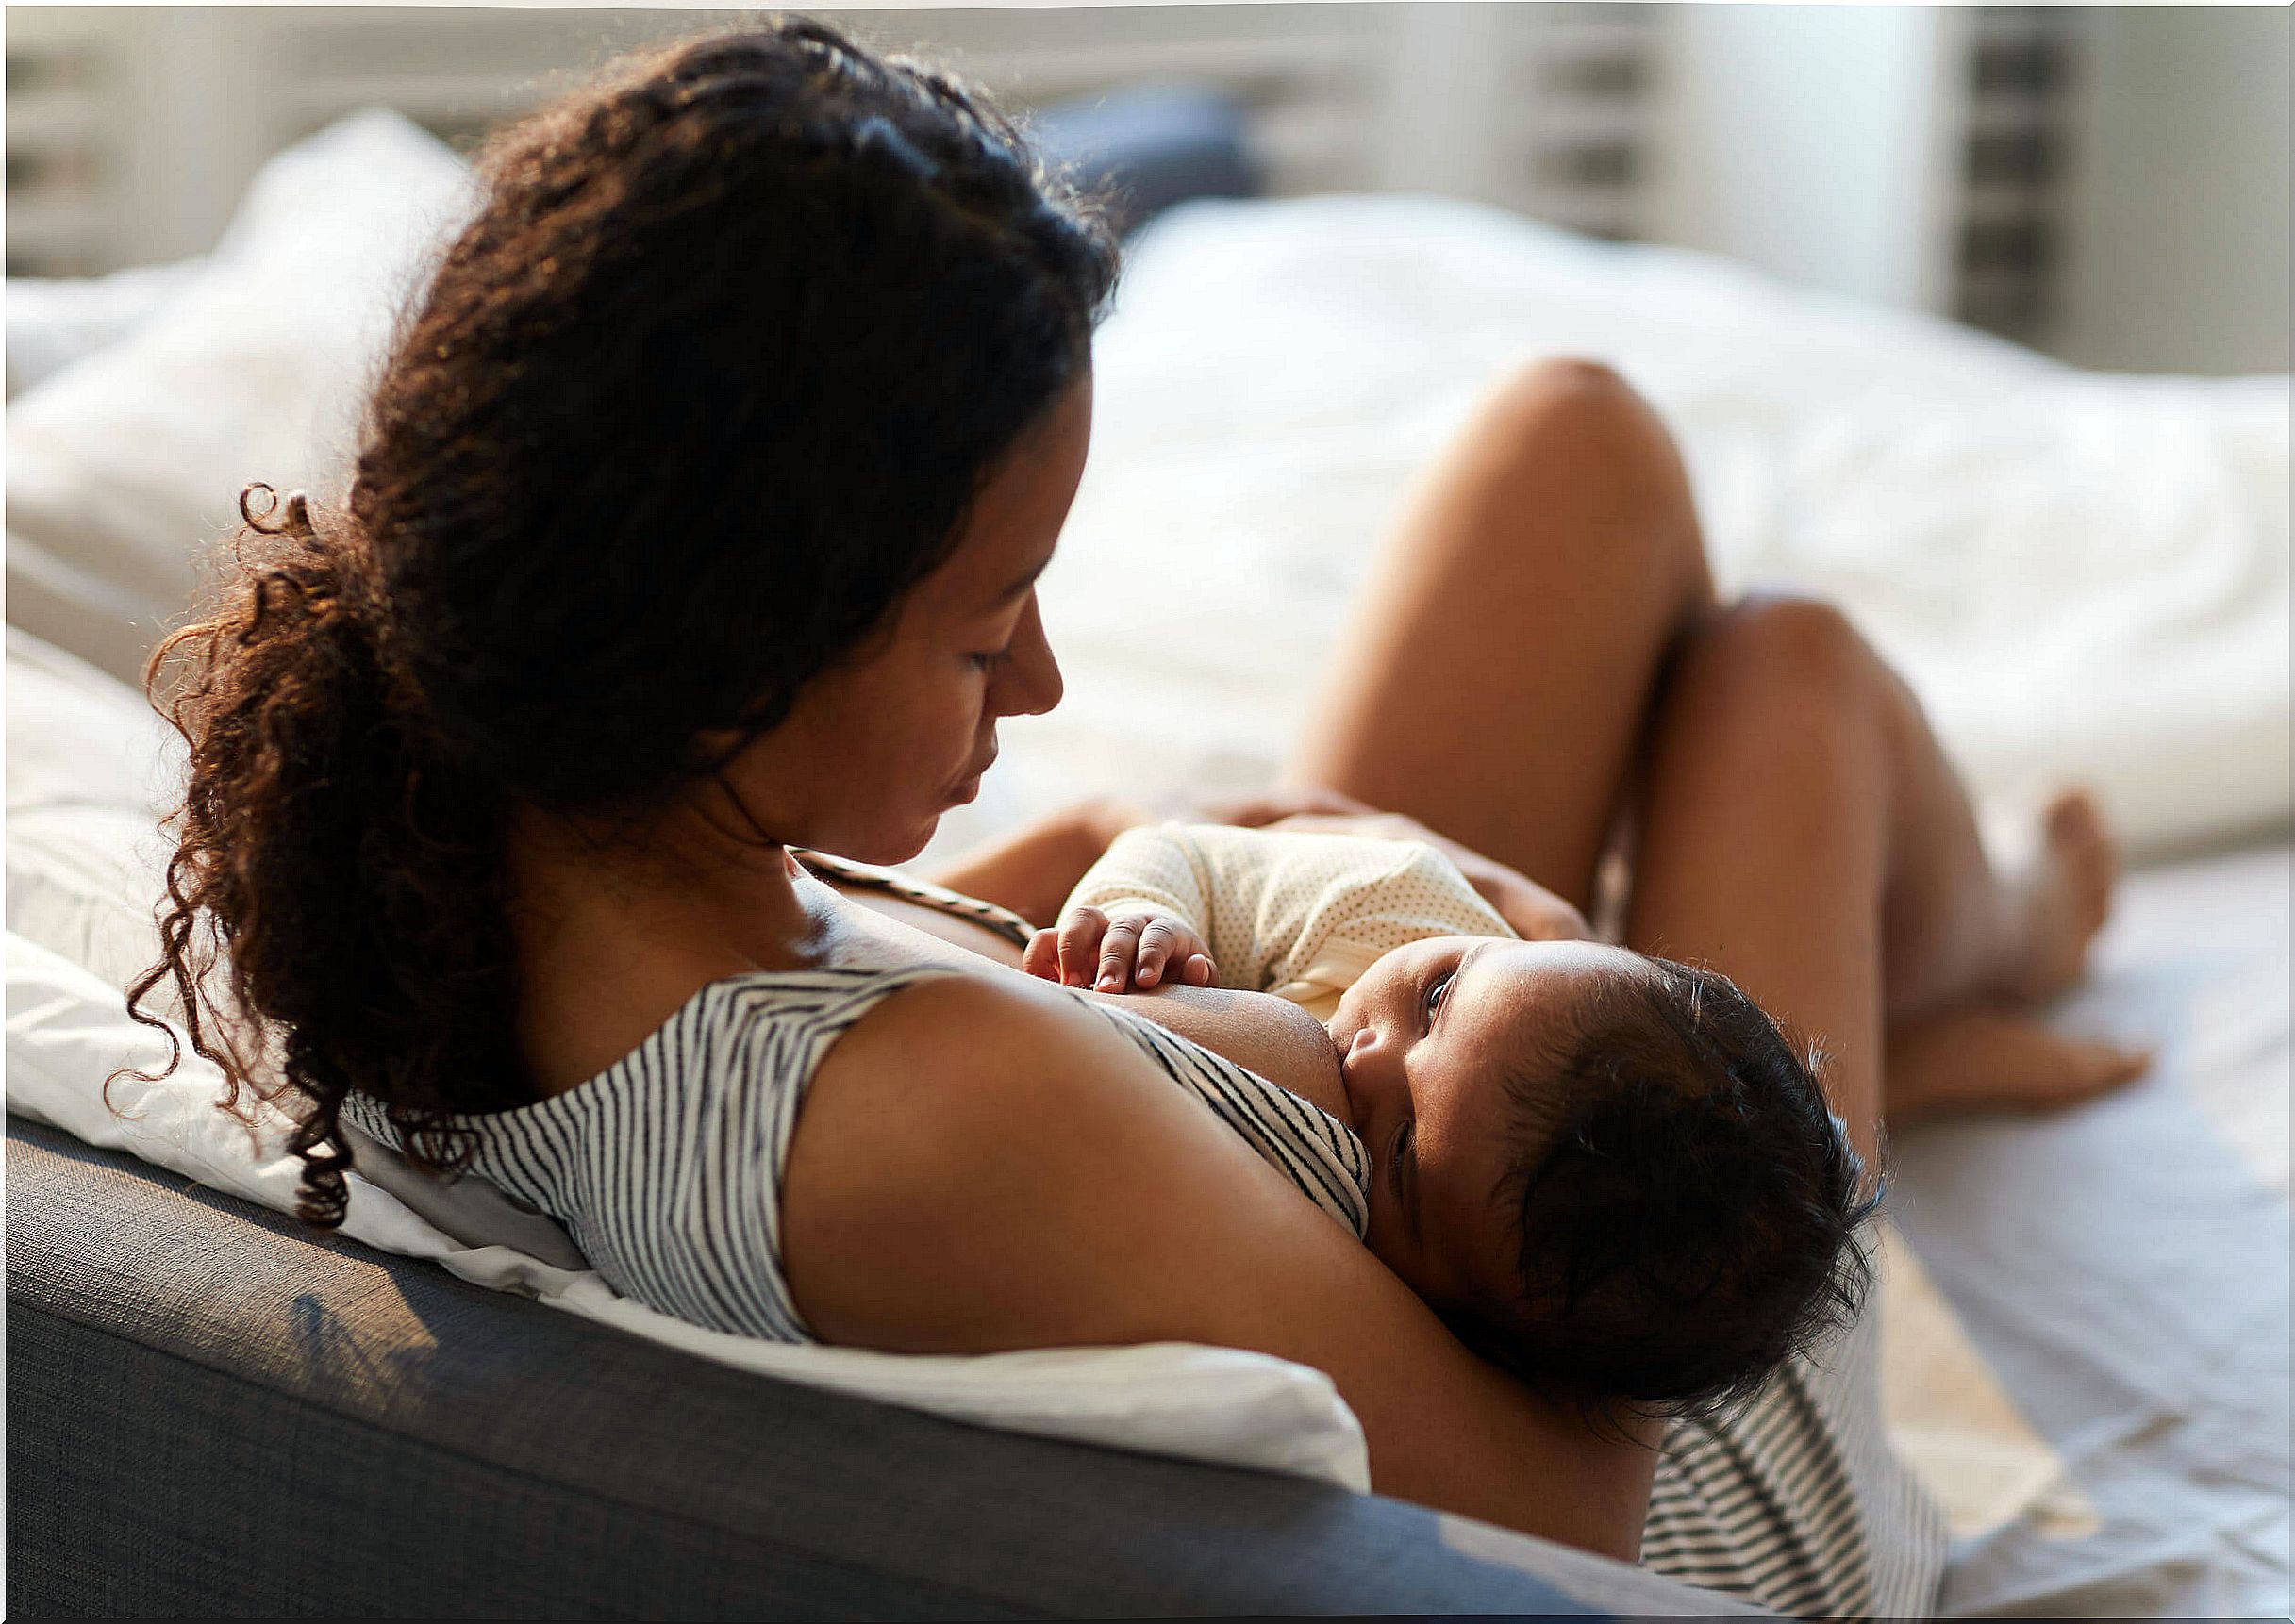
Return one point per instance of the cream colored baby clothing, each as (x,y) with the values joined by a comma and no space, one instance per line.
(1296,914)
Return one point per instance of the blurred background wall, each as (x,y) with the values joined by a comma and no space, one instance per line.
(2109,185)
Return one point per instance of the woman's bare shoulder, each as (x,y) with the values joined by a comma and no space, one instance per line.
(987,1165)
(959,1107)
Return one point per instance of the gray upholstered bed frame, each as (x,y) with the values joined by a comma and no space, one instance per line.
(210,1413)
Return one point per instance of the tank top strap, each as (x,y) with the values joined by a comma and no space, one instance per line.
(665,1168)
(893,883)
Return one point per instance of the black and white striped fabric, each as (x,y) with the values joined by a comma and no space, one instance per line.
(1796,1501)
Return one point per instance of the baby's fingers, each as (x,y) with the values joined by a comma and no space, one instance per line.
(1043,955)
(1117,950)
(1079,943)
(1164,943)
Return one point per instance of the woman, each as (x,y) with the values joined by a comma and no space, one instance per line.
(695,526)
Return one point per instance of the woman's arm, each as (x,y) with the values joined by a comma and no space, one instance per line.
(984,1166)
(1032,869)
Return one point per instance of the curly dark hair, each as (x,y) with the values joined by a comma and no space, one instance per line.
(1685,1205)
(709,381)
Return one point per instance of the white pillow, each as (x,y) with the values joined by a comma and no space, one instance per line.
(90,771)
(66,1031)
(123,467)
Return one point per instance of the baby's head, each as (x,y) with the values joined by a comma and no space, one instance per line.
(1607,1172)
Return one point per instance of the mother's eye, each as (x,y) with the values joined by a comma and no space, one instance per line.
(990,661)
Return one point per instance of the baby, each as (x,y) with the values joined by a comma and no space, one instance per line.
(1605,1171)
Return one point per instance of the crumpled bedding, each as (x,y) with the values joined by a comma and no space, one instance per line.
(2085,574)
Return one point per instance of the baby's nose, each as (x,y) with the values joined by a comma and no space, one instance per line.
(1360,1065)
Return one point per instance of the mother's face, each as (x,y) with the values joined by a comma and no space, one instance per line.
(881,744)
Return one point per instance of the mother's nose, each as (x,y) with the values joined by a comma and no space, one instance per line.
(1030,682)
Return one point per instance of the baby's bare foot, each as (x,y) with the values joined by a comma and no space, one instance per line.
(2057,900)
(2003,1059)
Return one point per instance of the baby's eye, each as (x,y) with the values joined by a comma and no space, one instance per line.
(1434,994)
(991,660)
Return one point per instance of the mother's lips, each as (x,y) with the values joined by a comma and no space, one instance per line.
(964,788)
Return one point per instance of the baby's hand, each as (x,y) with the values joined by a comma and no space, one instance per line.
(1136,949)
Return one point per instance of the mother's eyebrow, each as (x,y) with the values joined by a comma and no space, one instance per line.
(1016,587)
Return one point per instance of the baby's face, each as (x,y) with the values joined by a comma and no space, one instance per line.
(1426,1039)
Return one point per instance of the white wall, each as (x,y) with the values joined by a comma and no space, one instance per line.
(2178,259)
(1814,142)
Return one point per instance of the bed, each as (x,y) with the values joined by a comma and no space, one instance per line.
(2087,576)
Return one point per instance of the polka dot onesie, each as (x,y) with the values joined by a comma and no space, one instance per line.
(1284,911)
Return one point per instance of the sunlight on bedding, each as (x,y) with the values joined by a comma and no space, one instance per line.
(1953,1422)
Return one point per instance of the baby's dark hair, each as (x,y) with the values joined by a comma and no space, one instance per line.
(1686,1205)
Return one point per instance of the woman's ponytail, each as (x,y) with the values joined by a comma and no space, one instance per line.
(333,910)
